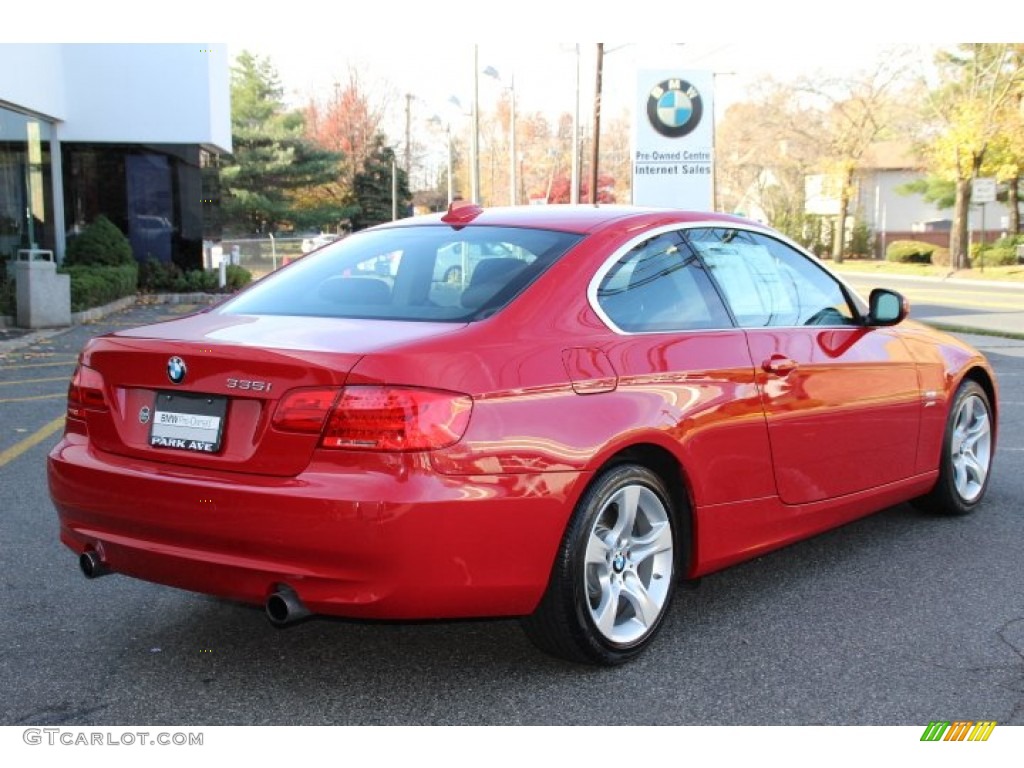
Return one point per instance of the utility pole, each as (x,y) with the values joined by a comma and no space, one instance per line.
(574,195)
(597,125)
(408,134)
(474,178)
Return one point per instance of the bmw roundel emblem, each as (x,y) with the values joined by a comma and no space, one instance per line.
(176,370)
(674,108)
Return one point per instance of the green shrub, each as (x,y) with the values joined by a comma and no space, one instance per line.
(909,252)
(1009,241)
(7,290)
(997,256)
(860,240)
(237,277)
(101,243)
(93,286)
(159,276)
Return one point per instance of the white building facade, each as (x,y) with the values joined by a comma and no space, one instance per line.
(130,131)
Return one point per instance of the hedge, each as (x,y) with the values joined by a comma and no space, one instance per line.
(909,252)
(93,286)
(159,276)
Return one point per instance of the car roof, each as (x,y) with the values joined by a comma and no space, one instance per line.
(567,218)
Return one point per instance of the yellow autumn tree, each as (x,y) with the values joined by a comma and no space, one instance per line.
(982,85)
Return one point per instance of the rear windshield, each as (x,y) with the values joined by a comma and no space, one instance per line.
(435,273)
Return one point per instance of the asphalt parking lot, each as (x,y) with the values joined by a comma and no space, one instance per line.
(896,619)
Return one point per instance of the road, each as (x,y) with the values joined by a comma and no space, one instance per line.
(896,619)
(988,306)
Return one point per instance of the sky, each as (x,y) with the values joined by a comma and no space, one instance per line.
(544,74)
(426,48)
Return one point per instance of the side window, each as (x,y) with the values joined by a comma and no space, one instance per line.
(768,283)
(660,286)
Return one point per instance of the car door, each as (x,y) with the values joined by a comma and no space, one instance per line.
(841,398)
(684,367)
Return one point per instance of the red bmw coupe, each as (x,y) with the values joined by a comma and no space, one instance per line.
(600,402)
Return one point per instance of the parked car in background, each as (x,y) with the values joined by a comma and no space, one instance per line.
(609,400)
(317,241)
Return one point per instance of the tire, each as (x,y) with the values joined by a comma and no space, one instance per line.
(615,572)
(967,451)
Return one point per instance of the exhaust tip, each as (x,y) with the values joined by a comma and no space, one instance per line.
(92,565)
(284,607)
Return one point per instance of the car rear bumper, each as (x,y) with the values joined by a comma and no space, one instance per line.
(410,544)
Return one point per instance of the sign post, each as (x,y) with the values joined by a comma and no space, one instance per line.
(983,191)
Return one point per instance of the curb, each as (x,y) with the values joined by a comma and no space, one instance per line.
(1010,284)
(94,314)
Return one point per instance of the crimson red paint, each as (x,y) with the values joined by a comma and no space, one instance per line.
(552,412)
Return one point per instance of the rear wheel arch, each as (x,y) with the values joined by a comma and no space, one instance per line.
(667,466)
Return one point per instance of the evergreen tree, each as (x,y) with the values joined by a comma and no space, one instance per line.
(372,187)
(274,176)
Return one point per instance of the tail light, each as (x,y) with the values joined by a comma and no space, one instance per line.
(397,419)
(85,393)
(377,418)
(305,410)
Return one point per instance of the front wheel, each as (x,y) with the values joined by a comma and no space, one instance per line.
(614,576)
(967,450)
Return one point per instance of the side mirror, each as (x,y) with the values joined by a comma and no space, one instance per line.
(887,307)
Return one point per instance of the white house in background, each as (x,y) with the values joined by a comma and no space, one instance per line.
(894,216)
(120,130)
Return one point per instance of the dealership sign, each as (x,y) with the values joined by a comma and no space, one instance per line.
(673,140)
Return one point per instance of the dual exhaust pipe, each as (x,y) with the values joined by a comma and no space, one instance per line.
(283,607)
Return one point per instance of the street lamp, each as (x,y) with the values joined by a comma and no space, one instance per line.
(436,120)
(492,72)
(474,181)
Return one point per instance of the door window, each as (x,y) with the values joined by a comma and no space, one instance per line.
(768,283)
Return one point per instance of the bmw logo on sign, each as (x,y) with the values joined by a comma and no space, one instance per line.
(674,108)
(176,370)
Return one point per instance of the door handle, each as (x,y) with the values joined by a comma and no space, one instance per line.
(780,365)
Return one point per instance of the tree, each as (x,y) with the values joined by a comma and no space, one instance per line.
(372,187)
(981,86)
(273,175)
(762,163)
(349,122)
(850,115)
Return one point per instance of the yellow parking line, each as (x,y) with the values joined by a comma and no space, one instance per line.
(32,381)
(37,365)
(34,397)
(32,440)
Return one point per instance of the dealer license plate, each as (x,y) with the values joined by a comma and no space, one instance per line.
(188,422)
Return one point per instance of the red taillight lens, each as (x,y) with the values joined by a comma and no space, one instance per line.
(85,392)
(305,410)
(397,419)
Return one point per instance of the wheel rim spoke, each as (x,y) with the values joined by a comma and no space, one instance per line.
(608,609)
(657,541)
(636,594)
(974,468)
(628,500)
(597,550)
